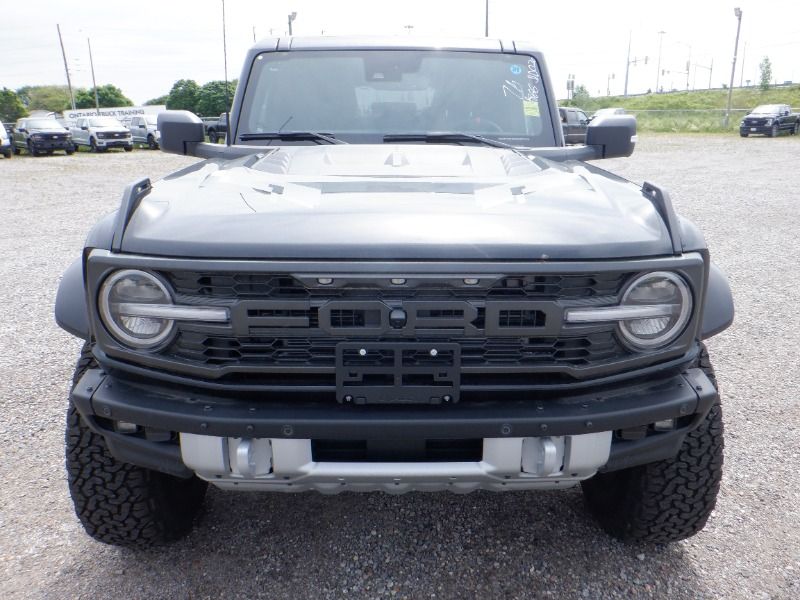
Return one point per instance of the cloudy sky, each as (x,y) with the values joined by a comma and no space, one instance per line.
(145,45)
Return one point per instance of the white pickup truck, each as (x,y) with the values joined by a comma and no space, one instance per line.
(144,130)
(101,133)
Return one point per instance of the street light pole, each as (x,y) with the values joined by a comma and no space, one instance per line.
(738,12)
(660,45)
(291,18)
(486,14)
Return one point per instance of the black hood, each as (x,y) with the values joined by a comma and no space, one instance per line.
(415,202)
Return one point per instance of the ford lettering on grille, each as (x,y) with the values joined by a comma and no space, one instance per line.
(374,318)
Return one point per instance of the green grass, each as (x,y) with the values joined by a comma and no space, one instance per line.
(743,98)
(700,111)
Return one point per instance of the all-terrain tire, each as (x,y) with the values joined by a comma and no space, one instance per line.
(151,142)
(668,500)
(119,503)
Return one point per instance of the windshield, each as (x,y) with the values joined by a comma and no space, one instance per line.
(766,109)
(43,124)
(104,122)
(363,95)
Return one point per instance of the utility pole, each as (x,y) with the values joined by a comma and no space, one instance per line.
(660,45)
(738,12)
(291,18)
(744,54)
(608,83)
(94,83)
(66,68)
(627,64)
(710,71)
(486,14)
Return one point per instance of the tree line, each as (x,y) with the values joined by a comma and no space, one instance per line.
(186,94)
(208,100)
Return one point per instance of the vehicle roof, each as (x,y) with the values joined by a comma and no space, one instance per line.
(390,43)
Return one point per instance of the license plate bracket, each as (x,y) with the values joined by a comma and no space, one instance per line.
(398,373)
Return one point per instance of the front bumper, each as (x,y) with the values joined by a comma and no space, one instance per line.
(755,129)
(45,144)
(114,143)
(104,400)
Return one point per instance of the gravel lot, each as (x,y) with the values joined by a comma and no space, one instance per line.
(742,193)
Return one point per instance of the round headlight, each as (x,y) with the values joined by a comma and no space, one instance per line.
(121,294)
(662,289)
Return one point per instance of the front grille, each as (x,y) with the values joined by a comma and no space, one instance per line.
(218,351)
(286,329)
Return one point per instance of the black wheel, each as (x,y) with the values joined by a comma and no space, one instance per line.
(743,134)
(774,131)
(92,145)
(667,500)
(796,129)
(119,503)
(17,151)
(7,153)
(32,149)
(151,143)
(70,151)
(128,148)
(212,137)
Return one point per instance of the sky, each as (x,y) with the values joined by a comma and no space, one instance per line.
(144,46)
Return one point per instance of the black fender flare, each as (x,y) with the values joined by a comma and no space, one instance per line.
(718,309)
(71,312)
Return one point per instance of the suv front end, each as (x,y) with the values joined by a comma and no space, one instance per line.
(409,311)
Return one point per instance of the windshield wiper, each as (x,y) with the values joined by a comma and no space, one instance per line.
(446,136)
(291,135)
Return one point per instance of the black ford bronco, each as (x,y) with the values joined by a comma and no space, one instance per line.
(394,276)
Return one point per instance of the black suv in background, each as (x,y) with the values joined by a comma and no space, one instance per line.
(770,119)
(41,136)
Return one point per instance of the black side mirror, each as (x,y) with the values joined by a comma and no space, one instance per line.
(181,132)
(85,127)
(613,136)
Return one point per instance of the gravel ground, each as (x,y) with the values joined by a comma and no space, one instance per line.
(742,193)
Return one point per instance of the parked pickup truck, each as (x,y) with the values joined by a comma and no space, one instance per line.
(101,133)
(144,130)
(396,277)
(40,136)
(216,130)
(770,119)
(574,122)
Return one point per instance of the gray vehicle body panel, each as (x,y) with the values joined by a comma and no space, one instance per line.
(349,202)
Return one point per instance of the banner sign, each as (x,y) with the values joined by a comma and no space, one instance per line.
(123,113)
